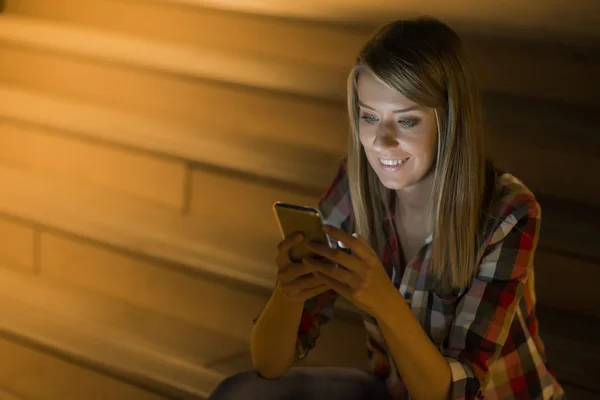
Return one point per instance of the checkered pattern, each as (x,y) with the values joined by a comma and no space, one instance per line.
(488,332)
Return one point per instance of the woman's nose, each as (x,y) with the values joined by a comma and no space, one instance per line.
(385,140)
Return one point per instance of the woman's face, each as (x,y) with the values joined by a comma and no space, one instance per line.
(399,136)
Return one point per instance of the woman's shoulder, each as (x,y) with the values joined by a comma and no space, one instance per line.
(513,196)
(513,205)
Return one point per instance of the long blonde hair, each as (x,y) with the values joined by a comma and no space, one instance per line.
(425,61)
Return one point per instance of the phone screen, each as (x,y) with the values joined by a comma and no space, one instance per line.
(296,218)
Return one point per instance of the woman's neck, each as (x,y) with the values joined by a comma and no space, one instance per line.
(416,199)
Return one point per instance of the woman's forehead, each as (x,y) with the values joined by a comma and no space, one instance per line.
(373,92)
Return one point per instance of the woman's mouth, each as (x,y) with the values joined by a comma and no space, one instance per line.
(392,164)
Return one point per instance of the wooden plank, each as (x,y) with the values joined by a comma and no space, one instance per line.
(160,21)
(569,228)
(209,63)
(155,179)
(567,283)
(152,285)
(513,67)
(243,202)
(548,171)
(201,106)
(5,395)
(274,159)
(35,375)
(537,17)
(571,341)
(17,245)
(136,227)
(135,346)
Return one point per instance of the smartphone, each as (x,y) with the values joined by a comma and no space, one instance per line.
(295,218)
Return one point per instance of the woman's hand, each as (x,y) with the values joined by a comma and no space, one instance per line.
(297,281)
(364,280)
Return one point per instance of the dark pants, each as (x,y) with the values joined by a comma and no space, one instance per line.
(303,383)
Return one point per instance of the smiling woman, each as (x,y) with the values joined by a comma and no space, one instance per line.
(442,260)
(395,133)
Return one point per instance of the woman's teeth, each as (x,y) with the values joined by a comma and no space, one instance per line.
(393,162)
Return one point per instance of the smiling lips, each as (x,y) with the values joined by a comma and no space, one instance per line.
(392,165)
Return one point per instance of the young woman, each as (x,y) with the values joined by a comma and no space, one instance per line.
(441,258)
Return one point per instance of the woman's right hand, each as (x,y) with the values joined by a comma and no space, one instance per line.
(297,280)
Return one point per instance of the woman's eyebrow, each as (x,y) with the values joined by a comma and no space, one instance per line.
(411,108)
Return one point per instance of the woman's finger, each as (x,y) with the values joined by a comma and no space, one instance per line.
(356,243)
(306,294)
(284,247)
(336,256)
(341,275)
(293,271)
(302,283)
(336,285)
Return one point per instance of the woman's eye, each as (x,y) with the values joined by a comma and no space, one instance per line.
(407,123)
(369,119)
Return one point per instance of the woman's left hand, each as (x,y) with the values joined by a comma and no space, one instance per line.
(364,280)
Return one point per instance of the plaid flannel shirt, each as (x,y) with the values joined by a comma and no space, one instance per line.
(488,332)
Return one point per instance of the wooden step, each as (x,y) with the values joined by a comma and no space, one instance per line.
(156,306)
(5,395)
(158,180)
(205,63)
(205,241)
(33,374)
(505,66)
(552,172)
(307,42)
(306,173)
(122,277)
(40,115)
(548,167)
(536,19)
(155,352)
(572,346)
(542,123)
(204,108)
(132,225)
(569,228)
(180,16)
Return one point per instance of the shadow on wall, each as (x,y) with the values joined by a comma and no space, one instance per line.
(2,5)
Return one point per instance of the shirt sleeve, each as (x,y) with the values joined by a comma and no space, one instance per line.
(486,312)
(317,311)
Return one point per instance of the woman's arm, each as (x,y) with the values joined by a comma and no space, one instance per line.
(274,335)
(485,317)
(287,330)
(424,370)
(290,322)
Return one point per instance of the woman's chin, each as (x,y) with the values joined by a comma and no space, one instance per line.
(393,184)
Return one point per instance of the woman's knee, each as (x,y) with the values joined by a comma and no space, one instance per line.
(238,386)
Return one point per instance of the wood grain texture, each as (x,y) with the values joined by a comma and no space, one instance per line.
(154,179)
(133,345)
(17,245)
